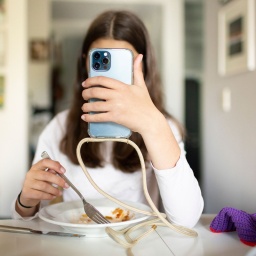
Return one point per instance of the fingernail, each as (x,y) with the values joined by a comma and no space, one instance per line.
(62,170)
(83,84)
(66,185)
(83,117)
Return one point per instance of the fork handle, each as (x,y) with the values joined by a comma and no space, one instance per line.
(71,185)
(45,155)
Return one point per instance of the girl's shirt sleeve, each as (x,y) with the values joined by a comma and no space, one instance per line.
(179,189)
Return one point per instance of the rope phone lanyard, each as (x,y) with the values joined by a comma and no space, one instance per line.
(158,219)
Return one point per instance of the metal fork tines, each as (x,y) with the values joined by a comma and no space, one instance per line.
(89,209)
(94,214)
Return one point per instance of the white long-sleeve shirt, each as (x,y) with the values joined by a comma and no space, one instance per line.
(179,189)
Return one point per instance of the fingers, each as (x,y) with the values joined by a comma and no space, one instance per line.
(41,191)
(102,81)
(137,70)
(48,178)
(50,164)
(42,185)
(117,99)
(39,173)
(97,106)
(97,92)
(99,117)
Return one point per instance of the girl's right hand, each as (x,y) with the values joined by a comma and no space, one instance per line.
(40,184)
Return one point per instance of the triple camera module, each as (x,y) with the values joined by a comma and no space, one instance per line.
(101,60)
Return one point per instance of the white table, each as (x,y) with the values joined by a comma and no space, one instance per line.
(160,243)
(207,243)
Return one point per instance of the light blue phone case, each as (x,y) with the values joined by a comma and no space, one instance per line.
(119,67)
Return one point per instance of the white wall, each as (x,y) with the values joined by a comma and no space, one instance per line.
(39,71)
(173,57)
(14,115)
(229,162)
(26,84)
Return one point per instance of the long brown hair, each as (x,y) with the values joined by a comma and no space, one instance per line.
(118,25)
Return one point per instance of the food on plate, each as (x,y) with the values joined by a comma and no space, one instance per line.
(117,215)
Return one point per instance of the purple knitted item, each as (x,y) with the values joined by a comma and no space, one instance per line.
(230,219)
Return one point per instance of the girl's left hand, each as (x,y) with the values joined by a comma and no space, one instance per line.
(128,105)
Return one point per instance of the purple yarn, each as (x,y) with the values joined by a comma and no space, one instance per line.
(231,219)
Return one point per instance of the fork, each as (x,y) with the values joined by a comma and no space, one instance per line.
(89,209)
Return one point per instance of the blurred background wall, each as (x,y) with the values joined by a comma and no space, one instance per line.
(14,111)
(228,149)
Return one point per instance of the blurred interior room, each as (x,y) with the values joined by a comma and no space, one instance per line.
(40,43)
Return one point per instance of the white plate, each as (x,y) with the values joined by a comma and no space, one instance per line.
(67,214)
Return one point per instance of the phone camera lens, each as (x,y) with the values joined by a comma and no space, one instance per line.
(105,61)
(96,55)
(96,65)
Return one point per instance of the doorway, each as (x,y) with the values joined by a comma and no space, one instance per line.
(192,123)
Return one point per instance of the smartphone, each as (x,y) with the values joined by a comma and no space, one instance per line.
(117,64)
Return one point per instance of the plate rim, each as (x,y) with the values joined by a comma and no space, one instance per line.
(78,204)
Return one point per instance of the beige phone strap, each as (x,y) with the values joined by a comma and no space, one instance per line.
(157,218)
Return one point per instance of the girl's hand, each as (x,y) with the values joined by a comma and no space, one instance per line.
(128,105)
(38,184)
(131,106)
